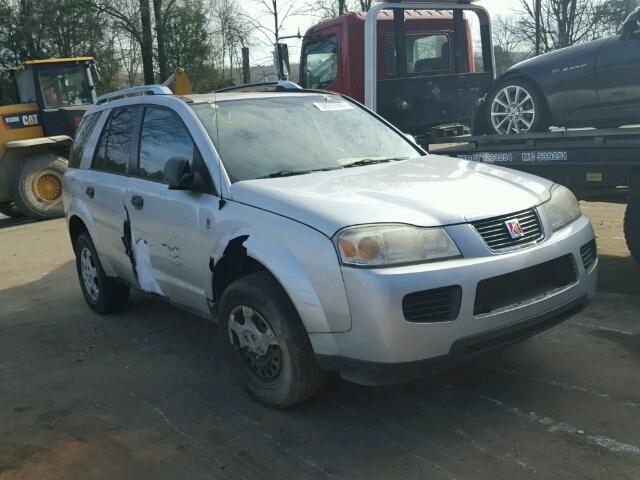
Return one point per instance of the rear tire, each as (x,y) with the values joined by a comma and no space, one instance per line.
(103,294)
(36,185)
(10,210)
(282,371)
(515,106)
(632,227)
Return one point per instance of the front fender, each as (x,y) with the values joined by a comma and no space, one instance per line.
(303,260)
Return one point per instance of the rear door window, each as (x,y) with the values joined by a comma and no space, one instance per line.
(82,135)
(320,63)
(163,136)
(116,144)
(425,53)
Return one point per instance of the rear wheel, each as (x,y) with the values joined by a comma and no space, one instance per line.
(36,185)
(632,227)
(10,210)
(266,343)
(103,294)
(514,106)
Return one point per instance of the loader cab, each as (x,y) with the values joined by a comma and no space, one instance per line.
(62,89)
(422,65)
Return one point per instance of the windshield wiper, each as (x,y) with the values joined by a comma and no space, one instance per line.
(371,161)
(290,173)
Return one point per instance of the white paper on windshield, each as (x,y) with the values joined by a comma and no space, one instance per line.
(333,106)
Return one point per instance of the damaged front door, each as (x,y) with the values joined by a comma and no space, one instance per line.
(165,223)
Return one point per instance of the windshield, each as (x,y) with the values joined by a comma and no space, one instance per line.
(65,87)
(296,134)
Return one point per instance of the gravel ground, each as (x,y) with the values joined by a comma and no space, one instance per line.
(146,393)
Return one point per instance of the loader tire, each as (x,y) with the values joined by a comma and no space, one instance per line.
(10,210)
(36,185)
(632,226)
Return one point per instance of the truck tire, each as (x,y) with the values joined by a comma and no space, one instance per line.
(266,344)
(515,106)
(632,226)
(36,185)
(102,293)
(10,210)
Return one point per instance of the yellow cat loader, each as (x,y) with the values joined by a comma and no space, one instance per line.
(36,133)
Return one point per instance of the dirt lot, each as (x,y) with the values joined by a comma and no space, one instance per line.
(146,394)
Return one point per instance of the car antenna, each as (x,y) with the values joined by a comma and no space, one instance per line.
(222,201)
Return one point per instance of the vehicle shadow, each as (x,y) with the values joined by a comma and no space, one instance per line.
(148,390)
(6,222)
(618,275)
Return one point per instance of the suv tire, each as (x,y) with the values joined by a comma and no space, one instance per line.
(36,185)
(275,362)
(10,210)
(103,294)
(632,226)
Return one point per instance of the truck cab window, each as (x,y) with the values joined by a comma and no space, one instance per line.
(425,53)
(65,87)
(320,63)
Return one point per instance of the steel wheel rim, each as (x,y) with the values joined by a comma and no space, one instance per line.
(253,337)
(512,110)
(47,187)
(89,274)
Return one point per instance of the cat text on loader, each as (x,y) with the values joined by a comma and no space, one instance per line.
(36,133)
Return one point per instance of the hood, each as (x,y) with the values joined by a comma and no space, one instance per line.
(426,191)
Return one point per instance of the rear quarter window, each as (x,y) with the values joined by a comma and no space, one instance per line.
(83,133)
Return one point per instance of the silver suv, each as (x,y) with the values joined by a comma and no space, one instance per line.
(318,236)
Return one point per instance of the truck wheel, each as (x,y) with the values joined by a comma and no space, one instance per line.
(103,294)
(10,210)
(632,227)
(515,106)
(36,185)
(266,343)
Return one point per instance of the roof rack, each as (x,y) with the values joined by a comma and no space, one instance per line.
(134,91)
(279,86)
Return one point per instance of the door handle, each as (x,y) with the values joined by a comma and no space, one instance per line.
(90,192)
(137,201)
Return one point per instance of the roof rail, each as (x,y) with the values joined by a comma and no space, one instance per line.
(279,86)
(134,91)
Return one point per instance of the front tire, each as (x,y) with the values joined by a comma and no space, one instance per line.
(515,106)
(632,227)
(102,293)
(10,210)
(266,343)
(36,185)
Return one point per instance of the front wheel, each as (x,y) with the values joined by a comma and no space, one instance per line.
(632,227)
(514,106)
(266,343)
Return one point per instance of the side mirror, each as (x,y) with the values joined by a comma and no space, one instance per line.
(282,61)
(178,174)
(410,137)
(631,26)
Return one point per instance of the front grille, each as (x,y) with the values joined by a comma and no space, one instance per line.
(496,235)
(435,305)
(589,254)
(524,285)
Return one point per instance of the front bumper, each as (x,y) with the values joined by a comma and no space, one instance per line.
(391,349)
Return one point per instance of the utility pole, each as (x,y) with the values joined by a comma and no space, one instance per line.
(245,65)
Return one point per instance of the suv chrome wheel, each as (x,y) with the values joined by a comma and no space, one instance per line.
(252,335)
(512,110)
(89,273)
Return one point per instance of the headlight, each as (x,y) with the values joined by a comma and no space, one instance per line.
(383,245)
(562,208)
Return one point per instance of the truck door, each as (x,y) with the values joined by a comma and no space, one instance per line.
(321,61)
(618,77)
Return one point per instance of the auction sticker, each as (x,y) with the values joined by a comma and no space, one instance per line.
(333,106)
(21,120)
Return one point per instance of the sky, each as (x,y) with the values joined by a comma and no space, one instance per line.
(260,53)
